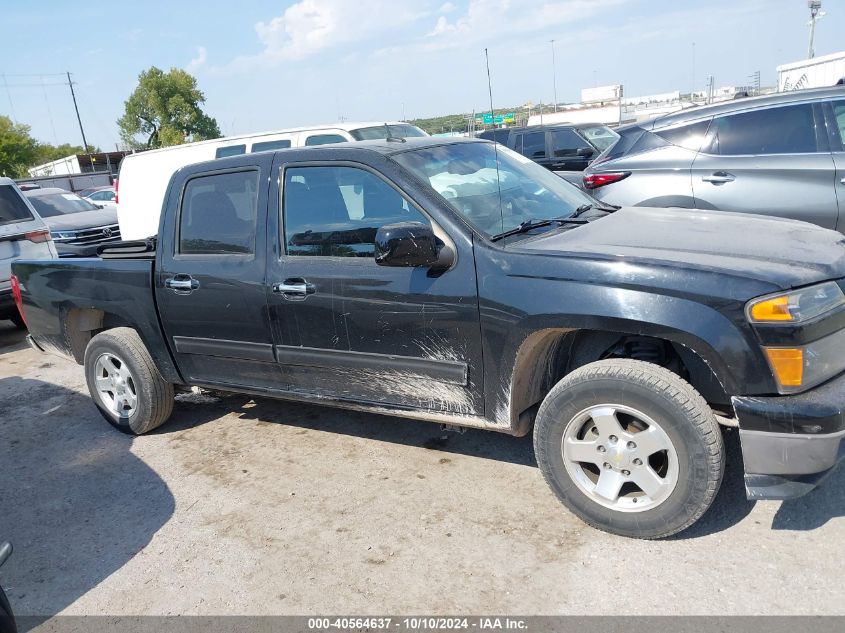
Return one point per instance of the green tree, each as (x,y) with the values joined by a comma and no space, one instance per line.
(47,153)
(165,110)
(17,148)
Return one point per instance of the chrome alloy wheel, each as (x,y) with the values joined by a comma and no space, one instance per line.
(620,458)
(115,385)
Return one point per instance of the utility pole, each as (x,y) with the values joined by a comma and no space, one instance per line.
(76,107)
(554,73)
(816,14)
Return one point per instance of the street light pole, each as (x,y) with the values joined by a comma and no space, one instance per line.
(815,15)
(554,73)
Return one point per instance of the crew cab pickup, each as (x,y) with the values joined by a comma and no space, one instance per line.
(459,282)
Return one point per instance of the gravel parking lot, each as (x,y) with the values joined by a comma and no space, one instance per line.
(262,507)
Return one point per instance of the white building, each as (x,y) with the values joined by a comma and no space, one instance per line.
(812,73)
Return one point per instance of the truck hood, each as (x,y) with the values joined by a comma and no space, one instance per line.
(786,253)
(82,220)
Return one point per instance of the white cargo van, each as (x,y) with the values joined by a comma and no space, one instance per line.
(143,177)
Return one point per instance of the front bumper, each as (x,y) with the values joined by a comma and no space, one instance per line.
(791,443)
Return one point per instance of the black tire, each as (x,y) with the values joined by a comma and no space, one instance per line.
(18,321)
(7,618)
(154,395)
(672,403)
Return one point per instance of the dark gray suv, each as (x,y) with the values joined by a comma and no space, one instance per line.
(781,154)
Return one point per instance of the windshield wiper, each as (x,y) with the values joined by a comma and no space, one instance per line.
(609,208)
(528,225)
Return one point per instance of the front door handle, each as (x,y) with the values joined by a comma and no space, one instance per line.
(182,283)
(719,177)
(842,181)
(294,289)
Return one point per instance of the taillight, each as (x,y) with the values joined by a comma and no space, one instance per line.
(116,181)
(594,181)
(16,294)
(41,235)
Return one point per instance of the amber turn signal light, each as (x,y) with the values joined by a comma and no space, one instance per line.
(776,309)
(787,364)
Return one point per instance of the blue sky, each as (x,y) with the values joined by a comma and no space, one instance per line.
(271,64)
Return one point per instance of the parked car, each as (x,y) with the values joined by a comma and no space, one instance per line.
(563,148)
(22,234)
(78,226)
(455,281)
(143,177)
(7,618)
(103,196)
(781,154)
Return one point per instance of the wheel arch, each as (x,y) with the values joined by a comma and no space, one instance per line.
(549,354)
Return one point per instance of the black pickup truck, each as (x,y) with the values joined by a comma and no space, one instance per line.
(459,282)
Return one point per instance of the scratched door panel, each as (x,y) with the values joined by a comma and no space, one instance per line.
(399,336)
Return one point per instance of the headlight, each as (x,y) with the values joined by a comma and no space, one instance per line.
(796,306)
(63,235)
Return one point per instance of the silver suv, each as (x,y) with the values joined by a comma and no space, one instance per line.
(781,155)
(23,234)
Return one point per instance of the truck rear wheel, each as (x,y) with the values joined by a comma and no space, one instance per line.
(630,447)
(124,382)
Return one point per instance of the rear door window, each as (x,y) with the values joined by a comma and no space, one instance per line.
(783,130)
(839,117)
(218,214)
(689,136)
(266,146)
(566,143)
(230,150)
(12,206)
(533,145)
(324,139)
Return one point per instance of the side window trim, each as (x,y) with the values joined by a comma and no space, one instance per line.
(836,137)
(177,229)
(338,163)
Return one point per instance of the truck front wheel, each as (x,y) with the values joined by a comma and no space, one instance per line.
(124,382)
(630,447)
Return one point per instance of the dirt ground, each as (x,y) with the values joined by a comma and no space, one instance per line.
(262,507)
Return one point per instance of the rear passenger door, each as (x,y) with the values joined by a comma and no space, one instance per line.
(533,145)
(773,161)
(210,280)
(348,329)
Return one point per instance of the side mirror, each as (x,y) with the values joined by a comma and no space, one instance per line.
(405,244)
(585,151)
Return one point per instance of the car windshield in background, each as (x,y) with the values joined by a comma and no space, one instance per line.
(600,135)
(493,199)
(12,208)
(53,204)
(383,131)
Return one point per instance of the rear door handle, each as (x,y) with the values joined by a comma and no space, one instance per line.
(182,284)
(294,289)
(842,181)
(719,177)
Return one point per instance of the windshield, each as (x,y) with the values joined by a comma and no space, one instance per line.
(403,130)
(600,136)
(493,200)
(53,204)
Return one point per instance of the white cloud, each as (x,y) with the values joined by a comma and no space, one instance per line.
(446,7)
(199,61)
(311,26)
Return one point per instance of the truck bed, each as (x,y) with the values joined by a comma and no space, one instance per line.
(67,301)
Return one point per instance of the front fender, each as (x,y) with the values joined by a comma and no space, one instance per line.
(541,304)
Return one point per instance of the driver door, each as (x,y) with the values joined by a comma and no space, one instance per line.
(346,328)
